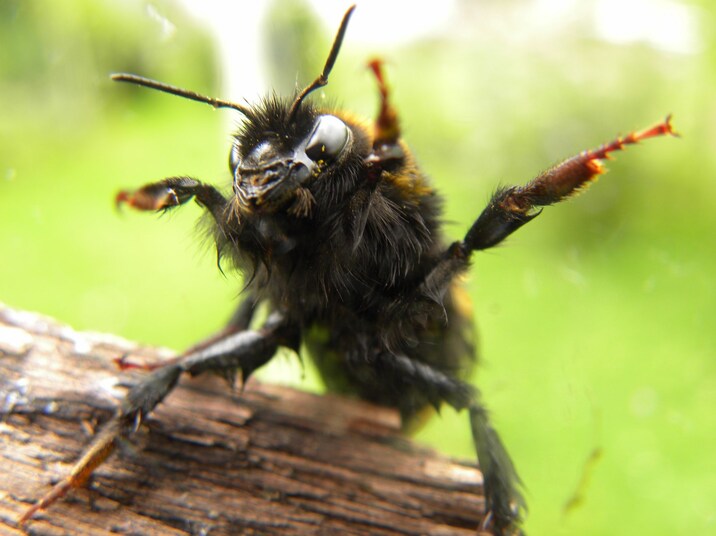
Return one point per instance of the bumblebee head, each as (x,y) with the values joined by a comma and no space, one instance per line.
(275,161)
(283,145)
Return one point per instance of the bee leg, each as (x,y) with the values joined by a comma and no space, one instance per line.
(504,502)
(172,192)
(387,153)
(246,350)
(511,208)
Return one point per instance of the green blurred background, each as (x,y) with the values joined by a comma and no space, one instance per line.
(596,321)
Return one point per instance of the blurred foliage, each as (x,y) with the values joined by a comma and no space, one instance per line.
(295,44)
(596,321)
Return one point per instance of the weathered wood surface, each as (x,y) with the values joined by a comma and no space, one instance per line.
(208,461)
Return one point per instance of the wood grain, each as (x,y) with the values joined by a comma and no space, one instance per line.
(271,460)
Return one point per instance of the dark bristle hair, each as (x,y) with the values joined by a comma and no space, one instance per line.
(270,116)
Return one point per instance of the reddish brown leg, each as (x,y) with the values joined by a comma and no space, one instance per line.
(387,152)
(510,208)
(172,192)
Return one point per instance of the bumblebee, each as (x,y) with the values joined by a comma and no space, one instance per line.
(338,232)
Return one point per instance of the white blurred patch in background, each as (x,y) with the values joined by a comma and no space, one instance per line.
(669,25)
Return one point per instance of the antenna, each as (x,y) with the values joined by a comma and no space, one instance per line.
(179,92)
(322,79)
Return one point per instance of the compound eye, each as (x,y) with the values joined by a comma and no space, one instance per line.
(328,139)
(234,157)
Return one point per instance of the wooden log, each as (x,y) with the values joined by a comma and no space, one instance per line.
(271,460)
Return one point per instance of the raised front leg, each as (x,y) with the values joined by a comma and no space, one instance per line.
(245,351)
(510,208)
(172,192)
